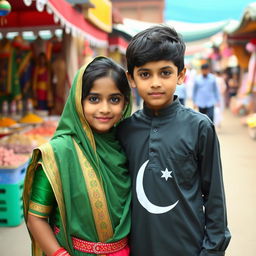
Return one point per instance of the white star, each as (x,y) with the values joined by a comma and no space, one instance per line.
(166,174)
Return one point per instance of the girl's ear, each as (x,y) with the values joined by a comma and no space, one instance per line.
(181,76)
(130,79)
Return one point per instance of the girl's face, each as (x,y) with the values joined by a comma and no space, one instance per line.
(104,105)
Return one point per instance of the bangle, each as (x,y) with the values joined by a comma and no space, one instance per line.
(60,252)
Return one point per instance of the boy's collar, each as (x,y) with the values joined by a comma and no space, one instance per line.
(171,108)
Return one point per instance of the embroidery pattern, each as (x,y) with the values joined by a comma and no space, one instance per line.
(97,198)
(45,210)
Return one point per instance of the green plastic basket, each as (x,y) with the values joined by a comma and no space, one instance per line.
(11,205)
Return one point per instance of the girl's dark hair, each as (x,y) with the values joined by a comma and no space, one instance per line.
(156,43)
(105,67)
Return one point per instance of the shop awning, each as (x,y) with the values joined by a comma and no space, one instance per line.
(117,42)
(190,31)
(28,15)
(246,29)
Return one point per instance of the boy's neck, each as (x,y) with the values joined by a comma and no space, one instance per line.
(157,112)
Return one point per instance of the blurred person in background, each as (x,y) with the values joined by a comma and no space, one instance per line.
(181,93)
(218,110)
(205,92)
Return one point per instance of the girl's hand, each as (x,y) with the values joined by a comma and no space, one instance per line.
(61,252)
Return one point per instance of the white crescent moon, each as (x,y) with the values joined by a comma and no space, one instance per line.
(152,208)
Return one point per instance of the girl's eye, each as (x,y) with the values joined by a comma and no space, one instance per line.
(144,74)
(115,99)
(93,99)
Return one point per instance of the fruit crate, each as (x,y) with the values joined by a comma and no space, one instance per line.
(11,204)
(13,175)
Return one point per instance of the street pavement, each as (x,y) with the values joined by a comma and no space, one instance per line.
(238,152)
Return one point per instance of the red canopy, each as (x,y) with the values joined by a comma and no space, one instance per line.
(55,14)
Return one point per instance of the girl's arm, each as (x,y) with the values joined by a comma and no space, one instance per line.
(43,234)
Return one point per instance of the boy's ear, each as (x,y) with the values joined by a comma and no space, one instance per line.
(181,76)
(130,79)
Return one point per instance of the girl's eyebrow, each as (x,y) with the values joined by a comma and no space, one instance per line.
(116,94)
(93,93)
(113,94)
(143,69)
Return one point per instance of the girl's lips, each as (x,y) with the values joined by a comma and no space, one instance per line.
(103,119)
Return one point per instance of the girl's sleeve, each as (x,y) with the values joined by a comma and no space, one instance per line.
(42,197)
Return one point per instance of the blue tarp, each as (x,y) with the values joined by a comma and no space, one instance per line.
(203,11)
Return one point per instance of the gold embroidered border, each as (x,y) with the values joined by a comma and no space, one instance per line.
(97,198)
(36,251)
(78,97)
(51,170)
(40,208)
(37,215)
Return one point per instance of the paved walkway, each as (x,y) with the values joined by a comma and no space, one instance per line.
(239,169)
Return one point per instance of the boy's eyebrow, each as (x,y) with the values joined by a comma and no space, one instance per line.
(165,67)
(146,69)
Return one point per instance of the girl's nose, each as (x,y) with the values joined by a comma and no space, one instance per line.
(104,108)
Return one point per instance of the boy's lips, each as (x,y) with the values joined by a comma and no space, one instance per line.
(156,94)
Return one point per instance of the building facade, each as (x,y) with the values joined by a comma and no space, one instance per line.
(143,10)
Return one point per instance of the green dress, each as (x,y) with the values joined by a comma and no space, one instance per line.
(79,180)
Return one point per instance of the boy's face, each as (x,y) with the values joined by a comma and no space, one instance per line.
(156,82)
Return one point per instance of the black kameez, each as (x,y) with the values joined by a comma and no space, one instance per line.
(183,173)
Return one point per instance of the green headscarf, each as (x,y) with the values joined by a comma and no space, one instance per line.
(100,152)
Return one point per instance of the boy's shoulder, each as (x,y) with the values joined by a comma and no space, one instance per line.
(193,118)
(130,120)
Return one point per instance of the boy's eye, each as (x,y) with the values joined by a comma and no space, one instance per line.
(166,73)
(93,99)
(115,99)
(144,74)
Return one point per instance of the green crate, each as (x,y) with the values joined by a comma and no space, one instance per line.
(11,205)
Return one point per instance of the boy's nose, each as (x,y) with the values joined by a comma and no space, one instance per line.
(156,82)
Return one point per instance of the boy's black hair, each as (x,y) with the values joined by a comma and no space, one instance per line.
(105,67)
(160,42)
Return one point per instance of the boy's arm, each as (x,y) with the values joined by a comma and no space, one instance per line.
(217,235)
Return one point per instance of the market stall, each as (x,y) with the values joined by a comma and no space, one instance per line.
(242,39)
(56,29)
(42,45)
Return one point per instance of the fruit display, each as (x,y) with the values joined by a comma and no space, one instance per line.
(17,147)
(46,129)
(31,118)
(6,122)
(22,144)
(9,159)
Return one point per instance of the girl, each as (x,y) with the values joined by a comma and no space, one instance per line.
(77,189)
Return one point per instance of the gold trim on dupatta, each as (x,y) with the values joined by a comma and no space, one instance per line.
(36,251)
(97,198)
(50,168)
(79,108)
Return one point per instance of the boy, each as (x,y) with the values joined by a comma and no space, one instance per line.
(174,160)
